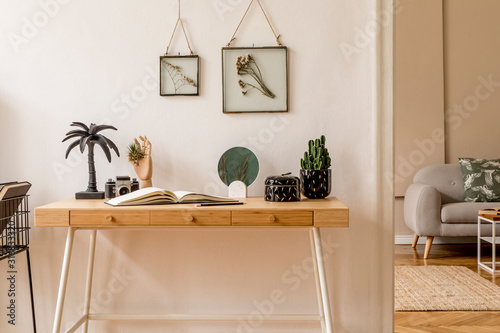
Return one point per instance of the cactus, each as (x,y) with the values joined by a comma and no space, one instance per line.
(317,156)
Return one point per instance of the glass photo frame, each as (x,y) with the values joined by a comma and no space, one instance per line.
(179,75)
(254,79)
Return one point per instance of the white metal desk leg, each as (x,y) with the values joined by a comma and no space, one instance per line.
(493,247)
(64,280)
(90,272)
(316,276)
(479,242)
(322,281)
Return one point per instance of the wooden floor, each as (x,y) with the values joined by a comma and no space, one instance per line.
(444,321)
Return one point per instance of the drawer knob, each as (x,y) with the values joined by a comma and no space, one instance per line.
(109,218)
(190,218)
(272,218)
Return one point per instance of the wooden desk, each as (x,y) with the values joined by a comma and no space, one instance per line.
(95,215)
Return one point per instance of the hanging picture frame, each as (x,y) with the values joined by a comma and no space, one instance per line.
(179,75)
(254,79)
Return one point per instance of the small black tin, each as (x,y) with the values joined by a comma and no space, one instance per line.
(282,188)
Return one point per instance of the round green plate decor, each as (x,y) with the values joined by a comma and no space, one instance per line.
(238,163)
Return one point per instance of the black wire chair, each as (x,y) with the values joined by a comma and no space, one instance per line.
(14,237)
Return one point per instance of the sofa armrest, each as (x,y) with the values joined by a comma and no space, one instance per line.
(422,209)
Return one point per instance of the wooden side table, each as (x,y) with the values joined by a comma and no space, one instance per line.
(95,215)
(492,217)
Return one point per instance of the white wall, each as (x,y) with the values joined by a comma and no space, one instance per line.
(91,56)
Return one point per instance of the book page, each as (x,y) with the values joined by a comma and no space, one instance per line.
(140,196)
(192,197)
(182,194)
(155,195)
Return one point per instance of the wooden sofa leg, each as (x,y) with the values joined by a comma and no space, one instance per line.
(428,245)
(415,240)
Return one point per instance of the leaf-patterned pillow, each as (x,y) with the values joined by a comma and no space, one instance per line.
(481,179)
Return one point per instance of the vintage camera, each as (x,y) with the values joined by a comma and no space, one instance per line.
(123,185)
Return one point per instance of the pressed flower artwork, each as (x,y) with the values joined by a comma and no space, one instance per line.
(248,66)
(179,75)
(254,79)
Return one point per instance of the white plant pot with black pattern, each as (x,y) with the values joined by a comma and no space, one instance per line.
(316,184)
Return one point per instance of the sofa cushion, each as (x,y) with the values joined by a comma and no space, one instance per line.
(481,179)
(464,212)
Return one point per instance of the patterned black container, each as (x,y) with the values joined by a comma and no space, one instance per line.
(316,184)
(282,188)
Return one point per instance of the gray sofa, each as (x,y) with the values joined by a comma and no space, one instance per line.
(434,206)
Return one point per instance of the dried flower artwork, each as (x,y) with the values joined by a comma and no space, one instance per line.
(238,163)
(254,79)
(248,66)
(179,75)
(178,78)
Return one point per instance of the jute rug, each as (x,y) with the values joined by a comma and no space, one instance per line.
(443,288)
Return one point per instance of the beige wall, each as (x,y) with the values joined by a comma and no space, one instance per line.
(418,89)
(472,76)
(465,34)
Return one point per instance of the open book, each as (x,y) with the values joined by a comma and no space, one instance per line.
(157,196)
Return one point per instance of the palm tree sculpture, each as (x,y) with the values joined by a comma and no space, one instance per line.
(88,137)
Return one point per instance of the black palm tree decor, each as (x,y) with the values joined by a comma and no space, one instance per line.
(88,136)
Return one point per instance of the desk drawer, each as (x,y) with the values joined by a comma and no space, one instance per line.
(109,217)
(336,218)
(273,217)
(191,217)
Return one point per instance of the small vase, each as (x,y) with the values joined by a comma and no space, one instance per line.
(316,184)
